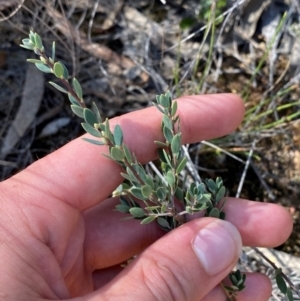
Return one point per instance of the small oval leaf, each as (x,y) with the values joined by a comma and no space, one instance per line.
(220,194)
(59,88)
(77,110)
(123,208)
(181,165)
(91,130)
(215,212)
(127,153)
(211,185)
(118,135)
(116,154)
(77,87)
(174,108)
(170,178)
(163,222)
(137,193)
(38,41)
(176,143)
(89,117)
(146,191)
(34,61)
(92,141)
(73,100)
(167,134)
(58,70)
(96,112)
(137,212)
(161,193)
(43,68)
(167,122)
(148,220)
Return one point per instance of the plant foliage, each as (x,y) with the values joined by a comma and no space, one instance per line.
(160,196)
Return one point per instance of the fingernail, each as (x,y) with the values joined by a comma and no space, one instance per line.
(217,246)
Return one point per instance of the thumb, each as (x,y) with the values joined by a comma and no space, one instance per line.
(185,264)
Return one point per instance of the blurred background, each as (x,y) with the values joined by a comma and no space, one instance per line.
(124,52)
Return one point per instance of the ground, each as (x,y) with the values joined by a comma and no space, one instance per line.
(126,52)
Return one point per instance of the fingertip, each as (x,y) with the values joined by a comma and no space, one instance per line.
(220,115)
(258,288)
(258,222)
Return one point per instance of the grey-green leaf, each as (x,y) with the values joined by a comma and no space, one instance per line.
(170,178)
(159,108)
(34,61)
(176,143)
(167,134)
(137,193)
(167,157)
(127,153)
(96,112)
(123,208)
(148,219)
(161,155)
(118,135)
(73,100)
(146,191)
(38,41)
(163,222)
(108,132)
(131,175)
(66,72)
(58,70)
(28,46)
(117,154)
(77,87)
(140,171)
(96,142)
(214,213)
(91,130)
(53,51)
(165,100)
(220,194)
(43,68)
(161,193)
(125,176)
(167,122)
(77,110)
(174,108)
(137,212)
(160,144)
(179,194)
(211,185)
(59,88)
(181,165)
(149,181)
(89,117)
(31,36)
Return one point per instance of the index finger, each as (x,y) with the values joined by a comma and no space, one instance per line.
(79,175)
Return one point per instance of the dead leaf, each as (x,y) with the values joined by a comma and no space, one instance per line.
(96,50)
(54,126)
(30,103)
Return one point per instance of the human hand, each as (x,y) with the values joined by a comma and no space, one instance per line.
(61,239)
